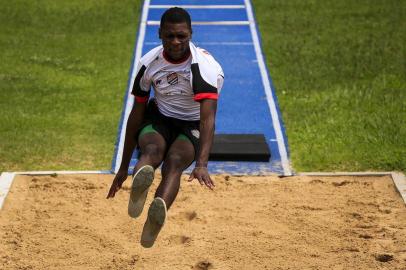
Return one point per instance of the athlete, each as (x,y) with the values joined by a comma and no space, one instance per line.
(174,128)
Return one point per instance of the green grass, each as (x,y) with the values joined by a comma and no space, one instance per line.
(338,68)
(63,73)
(339,71)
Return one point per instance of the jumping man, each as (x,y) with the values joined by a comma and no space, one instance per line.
(174,128)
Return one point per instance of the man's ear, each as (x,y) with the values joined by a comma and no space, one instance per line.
(159,33)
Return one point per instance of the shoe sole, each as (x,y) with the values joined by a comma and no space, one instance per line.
(155,221)
(142,180)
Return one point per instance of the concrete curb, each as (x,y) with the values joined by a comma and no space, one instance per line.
(6,179)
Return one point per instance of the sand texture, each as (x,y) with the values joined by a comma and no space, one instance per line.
(65,222)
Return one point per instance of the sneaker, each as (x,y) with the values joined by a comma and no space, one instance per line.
(142,180)
(155,221)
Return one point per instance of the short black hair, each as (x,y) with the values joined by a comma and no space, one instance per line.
(176,15)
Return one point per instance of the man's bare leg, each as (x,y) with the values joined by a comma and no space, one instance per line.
(178,158)
(152,147)
(152,150)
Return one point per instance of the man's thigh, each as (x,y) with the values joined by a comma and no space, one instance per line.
(181,152)
(151,141)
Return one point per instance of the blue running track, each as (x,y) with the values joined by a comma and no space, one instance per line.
(247,103)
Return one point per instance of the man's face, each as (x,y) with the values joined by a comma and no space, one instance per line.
(175,39)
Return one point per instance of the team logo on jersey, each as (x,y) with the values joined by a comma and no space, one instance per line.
(172,78)
(195,133)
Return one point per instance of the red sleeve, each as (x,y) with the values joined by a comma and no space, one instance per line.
(141,99)
(201,96)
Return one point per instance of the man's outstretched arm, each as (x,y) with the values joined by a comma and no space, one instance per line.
(133,124)
(208,108)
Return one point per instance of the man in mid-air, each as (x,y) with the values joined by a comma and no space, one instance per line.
(174,128)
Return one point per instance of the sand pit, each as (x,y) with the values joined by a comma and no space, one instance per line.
(65,222)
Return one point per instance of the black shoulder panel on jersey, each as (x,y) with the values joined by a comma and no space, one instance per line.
(136,87)
(198,83)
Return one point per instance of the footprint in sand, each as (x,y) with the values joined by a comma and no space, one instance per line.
(356,216)
(184,199)
(191,215)
(203,265)
(365,236)
(179,239)
(384,210)
(383,257)
(340,184)
(316,181)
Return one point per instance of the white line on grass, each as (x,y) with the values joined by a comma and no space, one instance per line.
(130,98)
(208,23)
(225,43)
(199,6)
(268,91)
(62,172)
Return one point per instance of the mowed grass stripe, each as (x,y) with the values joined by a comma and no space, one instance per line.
(339,71)
(63,73)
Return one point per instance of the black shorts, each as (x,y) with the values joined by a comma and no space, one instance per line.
(170,128)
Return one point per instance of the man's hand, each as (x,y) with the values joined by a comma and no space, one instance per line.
(118,181)
(202,175)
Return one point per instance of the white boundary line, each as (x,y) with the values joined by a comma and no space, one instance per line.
(208,23)
(344,173)
(268,91)
(209,43)
(61,172)
(130,98)
(199,6)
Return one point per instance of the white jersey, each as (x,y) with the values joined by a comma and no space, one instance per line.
(178,86)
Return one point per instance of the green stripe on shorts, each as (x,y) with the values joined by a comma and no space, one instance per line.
(147,129)
(150,129)
(182,137)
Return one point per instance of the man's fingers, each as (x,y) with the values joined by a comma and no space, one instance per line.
(116,185)
(200,179)
(208,182)
(212,183)
(113,189)
(203,179)
(111,193)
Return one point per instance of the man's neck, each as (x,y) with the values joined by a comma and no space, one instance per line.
(177,61)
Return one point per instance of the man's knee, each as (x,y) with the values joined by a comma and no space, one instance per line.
(153,152)
(176,161)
